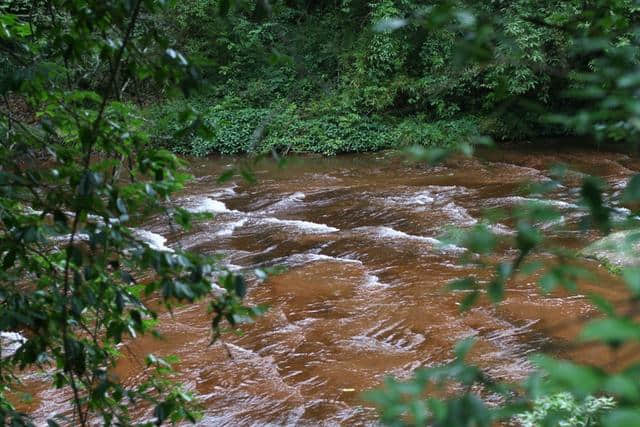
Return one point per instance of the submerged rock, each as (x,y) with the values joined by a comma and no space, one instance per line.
(618,250)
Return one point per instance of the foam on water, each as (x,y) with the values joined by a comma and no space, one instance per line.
(207,204)
(550,224)
(11,342)
(391,233)
(432,194)
(387,336)
(422,198)
(501,229)
(225,192)
(287,202)
(519,200)
(459,214)
(65,237)
(305,258)
(307,226)
(155,241)
(373,281)
(619,184)
(229,228)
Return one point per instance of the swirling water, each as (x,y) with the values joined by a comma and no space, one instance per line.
(363,296)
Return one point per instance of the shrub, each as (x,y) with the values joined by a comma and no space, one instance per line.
(564,410)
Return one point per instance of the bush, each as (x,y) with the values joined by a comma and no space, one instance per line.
(289,128)
(564,410)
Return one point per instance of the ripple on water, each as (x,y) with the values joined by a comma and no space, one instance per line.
(308,257)
(519,200)
(389,233)
(363,294)
(286,203)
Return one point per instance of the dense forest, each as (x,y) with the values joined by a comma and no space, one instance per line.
(103,104)
(321,77)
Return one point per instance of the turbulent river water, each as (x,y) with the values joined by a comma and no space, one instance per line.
(363,296)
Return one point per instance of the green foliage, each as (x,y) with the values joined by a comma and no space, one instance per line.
(77,172)
(319,128)
(564,410)
(511,67)
(402,403)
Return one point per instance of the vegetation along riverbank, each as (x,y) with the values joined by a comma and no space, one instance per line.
(333,77)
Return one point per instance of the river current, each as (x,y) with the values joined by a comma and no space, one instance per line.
(364,294)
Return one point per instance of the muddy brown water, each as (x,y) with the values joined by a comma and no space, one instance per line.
(363,294)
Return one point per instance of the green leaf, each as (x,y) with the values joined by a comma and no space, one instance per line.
(240,286)
(469,300)
(465,284)
(581,380)
(495,290)
(527,238)
(9,260)
(430,155)
(480,240)
(631,192)
(463,347)
(603,304)
(622,386)
(610,330)
(226,175)
(224,6)
(622,418)
(631,277)
(592,197)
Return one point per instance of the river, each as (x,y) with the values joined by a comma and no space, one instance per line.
(363,295)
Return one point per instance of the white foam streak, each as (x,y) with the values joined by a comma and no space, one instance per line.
(388,232)
(308,226)
(373,281)
(208,205)
(459,214)
(391,233)
(286,202)
(225,192)
(501,229)
(421,199)
(511,200)
(10,342)
(229,228)
(311,257)
(153,240)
